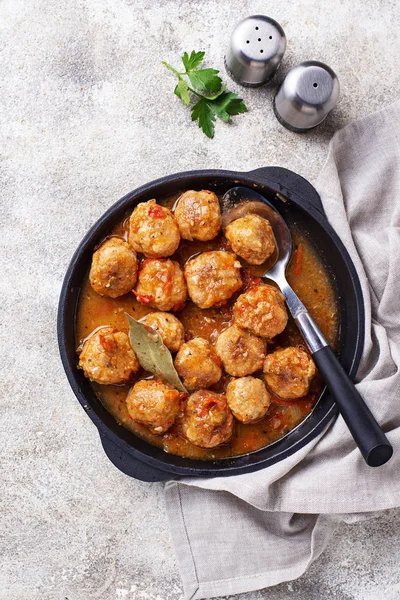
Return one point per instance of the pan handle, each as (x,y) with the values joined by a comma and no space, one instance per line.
(132,466)
(290,184)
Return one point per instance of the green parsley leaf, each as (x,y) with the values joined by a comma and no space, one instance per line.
(236,106)
(182,91)
(192,61)
(205,80)
(202,113)
(227,104)
(217,102)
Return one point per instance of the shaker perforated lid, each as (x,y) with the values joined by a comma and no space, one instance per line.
(306,96)
(256,48)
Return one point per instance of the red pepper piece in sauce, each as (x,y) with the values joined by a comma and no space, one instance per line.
(208,404)
(108,344)
(142,298)
(156,211)
(298,260)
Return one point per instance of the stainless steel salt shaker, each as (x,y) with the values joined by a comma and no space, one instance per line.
(257,46)
(306,96)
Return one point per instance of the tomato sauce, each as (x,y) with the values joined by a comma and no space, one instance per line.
(309,278)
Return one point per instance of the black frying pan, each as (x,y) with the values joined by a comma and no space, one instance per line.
(300,205)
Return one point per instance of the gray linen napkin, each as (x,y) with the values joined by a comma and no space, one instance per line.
(251,531)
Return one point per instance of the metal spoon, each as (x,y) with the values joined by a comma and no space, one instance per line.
(367,433)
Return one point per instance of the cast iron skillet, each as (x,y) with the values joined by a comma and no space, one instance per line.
(300,205)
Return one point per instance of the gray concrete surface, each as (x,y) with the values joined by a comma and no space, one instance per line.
(87,114)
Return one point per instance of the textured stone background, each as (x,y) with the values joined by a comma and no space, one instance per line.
(87,114)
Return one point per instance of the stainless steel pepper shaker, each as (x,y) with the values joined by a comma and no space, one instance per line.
(306,96)
(257,46)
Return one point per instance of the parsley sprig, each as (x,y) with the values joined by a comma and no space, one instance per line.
(215,102)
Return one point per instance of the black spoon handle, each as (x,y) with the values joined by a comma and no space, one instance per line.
(366,431)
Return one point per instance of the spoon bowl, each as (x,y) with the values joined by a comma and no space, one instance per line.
(245,201)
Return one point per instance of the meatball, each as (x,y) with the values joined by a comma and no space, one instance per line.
(161,285)
(261,310)
(114,268)
(154,404)
(241,352)
(207,420)
(153,230)
(197,364)
(212,278)
(198,215)
(288,372)
(171,330)
(107,357)
(248,399)
(251,237)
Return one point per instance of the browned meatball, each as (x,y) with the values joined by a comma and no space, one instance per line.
(248,399)
(212,278)
(153,230)
(261,310)
(288,372)
(114,268)
(171,330)
(161,284)
(197,364)
(107,357)
(198,215)
(241,352)
(251,237)
(154,404)
(207,421)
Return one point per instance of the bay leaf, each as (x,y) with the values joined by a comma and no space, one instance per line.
(152,354)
